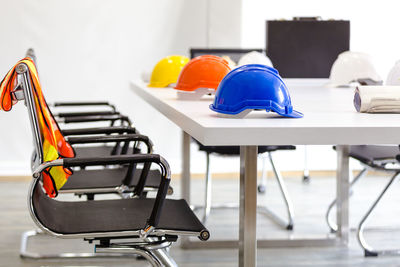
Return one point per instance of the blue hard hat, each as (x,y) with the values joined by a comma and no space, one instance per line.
(253,86)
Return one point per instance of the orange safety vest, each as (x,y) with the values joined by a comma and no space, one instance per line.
(54,144)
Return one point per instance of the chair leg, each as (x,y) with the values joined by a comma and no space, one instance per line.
(263,182)
(331,224)
(306,172)
(208,189)
(284,192)
(368,250)
(288,203)
(163,256)
(156,255)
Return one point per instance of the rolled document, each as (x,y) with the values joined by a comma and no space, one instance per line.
(377,99)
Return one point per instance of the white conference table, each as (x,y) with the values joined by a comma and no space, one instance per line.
(329,119)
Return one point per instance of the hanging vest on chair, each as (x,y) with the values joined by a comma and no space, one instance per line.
(54,144)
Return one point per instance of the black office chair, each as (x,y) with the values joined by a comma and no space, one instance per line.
(380,158)
(153,223)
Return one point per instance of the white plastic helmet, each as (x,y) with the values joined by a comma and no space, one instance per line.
(352,66)
(394,75)
(231,63)
(254,57)
(145,75)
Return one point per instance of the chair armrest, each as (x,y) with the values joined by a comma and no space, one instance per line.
(96,118)
(87,113)
(100,130)
(154,218)
(111,139)
(75,104)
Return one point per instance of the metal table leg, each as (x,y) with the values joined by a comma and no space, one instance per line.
(342,190)
(248,207)
(185,178)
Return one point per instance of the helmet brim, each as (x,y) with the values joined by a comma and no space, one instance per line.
(293,114)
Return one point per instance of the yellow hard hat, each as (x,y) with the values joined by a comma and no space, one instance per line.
(167,71)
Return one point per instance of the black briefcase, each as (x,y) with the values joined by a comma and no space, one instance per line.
(306,47)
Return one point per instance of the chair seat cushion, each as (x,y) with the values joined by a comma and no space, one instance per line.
(235,150)
(370,153)
(91,151)
(108,178)
(111,215)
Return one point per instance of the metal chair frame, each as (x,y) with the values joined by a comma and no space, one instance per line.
(381,166)
(152,243)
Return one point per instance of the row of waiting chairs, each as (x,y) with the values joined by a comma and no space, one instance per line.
(135,223)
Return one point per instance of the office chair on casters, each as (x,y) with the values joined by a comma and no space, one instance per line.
(375,157)
(153,223)
(235,151)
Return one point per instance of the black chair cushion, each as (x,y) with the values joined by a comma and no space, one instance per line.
(91,151)
(110,215)
(370,153)
(235,150)
(108,178)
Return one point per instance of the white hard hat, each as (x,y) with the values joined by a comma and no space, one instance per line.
(254,57)
(145,75)
(231,63)
(394,75)
(352,66)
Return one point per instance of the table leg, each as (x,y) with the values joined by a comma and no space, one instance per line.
(342,191)
(248,207)
(185,176)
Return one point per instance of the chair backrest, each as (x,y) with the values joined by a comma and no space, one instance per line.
(234,53)
(50,144)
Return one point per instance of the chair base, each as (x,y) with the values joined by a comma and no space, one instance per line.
(369,251)
(25,253)
(156,255)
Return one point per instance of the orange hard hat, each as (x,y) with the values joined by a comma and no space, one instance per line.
(205,71)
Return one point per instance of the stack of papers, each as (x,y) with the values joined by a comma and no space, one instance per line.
(377,99)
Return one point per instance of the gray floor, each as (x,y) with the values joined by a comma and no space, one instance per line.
(310,201)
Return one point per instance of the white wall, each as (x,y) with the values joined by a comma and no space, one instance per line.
(374,24)
(91,49)
(374,30)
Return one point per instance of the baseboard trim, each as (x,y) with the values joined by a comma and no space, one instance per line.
(227,175)
(285,174)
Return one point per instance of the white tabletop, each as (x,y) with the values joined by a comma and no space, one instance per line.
(329,118)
